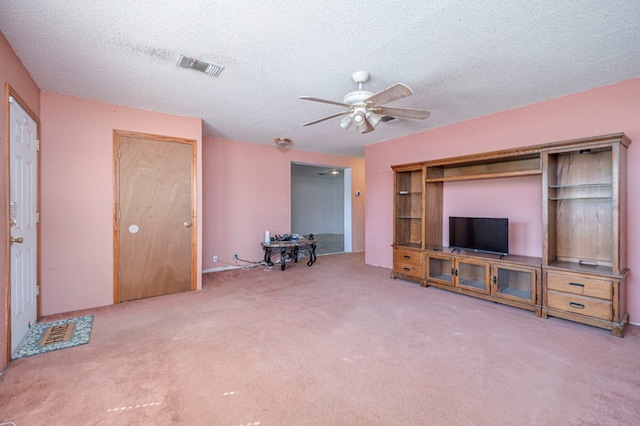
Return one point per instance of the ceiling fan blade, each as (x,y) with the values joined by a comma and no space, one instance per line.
(420,114)
(328,117)
(390,94)
(325,101)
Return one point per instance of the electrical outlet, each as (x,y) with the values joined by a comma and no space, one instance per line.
(235,255)
(215,258)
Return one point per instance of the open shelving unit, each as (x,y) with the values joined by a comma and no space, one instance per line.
(582,273)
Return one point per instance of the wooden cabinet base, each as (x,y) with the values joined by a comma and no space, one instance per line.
(486,296)
(617,329)
(400,276)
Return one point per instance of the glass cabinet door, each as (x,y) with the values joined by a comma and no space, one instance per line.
(473,275)
(440,269)
(514,282)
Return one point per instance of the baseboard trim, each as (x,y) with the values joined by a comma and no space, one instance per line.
(220,269)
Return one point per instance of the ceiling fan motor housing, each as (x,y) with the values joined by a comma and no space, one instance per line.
(357,97)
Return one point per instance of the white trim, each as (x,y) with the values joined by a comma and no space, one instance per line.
(348,232)
(220,269)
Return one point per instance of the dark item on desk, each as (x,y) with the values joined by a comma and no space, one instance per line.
(289,249)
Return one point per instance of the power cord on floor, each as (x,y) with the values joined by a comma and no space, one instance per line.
(249,264)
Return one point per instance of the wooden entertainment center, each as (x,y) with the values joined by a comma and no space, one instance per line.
(581,275)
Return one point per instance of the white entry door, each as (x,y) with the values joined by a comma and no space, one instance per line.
(23,205)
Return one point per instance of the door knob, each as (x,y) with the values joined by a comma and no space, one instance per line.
(18,240)
(187,224)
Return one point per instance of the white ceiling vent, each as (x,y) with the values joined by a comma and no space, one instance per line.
(198,65)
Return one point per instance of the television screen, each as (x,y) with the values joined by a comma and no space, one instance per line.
(483,234)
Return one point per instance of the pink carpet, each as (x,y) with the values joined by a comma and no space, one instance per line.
(338,343)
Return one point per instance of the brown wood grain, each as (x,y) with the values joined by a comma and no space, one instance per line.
(584,223)
(155,193)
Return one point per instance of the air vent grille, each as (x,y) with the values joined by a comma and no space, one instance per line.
(198,65)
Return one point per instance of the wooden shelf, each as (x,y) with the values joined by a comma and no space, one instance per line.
(583,184)
(408,206)
(485,168)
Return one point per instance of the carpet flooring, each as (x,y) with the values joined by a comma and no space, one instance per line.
(337,343)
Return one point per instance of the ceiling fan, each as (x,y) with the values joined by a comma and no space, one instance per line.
(366,109)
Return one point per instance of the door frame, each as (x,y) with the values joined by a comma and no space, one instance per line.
(347,213)
(116,203)
(10,92)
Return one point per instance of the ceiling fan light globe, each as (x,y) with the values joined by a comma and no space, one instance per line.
(362,128)
(346,122)
(374,119)
(358,117)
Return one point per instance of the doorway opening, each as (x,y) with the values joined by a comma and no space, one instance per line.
(321,205)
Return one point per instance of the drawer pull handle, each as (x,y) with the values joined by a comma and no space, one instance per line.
(406,256)
(406,269)
(576,284)
(576,305)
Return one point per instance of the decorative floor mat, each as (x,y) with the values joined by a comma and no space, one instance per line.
(51,336)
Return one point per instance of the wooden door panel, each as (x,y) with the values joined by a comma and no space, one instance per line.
(156,213)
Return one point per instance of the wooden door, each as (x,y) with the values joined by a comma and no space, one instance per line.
(154,233)
(23,219)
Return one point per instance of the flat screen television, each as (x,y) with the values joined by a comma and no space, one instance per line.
(480,234)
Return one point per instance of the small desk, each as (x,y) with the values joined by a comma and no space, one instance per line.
(290,250)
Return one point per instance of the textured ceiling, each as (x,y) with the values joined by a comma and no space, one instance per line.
(462,58)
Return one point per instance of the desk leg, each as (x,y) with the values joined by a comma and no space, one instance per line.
(295,254)
(283,255)
(267,256)
(312,255)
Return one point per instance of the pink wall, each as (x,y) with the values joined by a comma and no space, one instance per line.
(12,72)
(525,216)
(248,190)
(608,109)
(77,195)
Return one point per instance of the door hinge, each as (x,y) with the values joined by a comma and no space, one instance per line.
(37,217)
(118,214)
(38,290)
(38,145)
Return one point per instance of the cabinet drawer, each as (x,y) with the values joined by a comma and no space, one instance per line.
(575,284)
(408,269)
(588,306)
(407,256)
